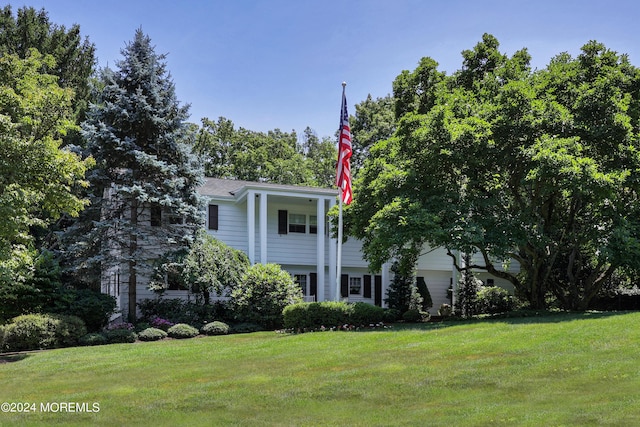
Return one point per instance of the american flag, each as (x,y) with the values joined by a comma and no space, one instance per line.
(343,168)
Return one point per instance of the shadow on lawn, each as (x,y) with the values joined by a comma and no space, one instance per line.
(10,358)
(515,318)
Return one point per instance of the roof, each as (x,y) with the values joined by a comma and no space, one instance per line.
(218,187)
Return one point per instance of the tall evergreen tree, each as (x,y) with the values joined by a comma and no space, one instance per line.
(138,134)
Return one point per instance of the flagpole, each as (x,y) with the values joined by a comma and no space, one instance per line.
(339,261)
(341,189)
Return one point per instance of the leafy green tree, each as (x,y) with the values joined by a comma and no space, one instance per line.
(374,121)
(264,291)
(504,162)
(39,181)
(321,156)
(212,266)
(74,56)
(139,137)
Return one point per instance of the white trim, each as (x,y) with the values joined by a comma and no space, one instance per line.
(263,227)
(320,250)
(251,227)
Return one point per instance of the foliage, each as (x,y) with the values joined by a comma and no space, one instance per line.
(402,293)
(391,315)
(211,266)
(467,294)
(182,330)
(120,336)
(413,316)
(40,179)
(494,299)
(93,338)
(215,328)
(42,331)
(245,328)
(275,156)
(174,310)
(152,334)
(562,198)
(138,134)
(160,323)
(316,315)
(265,291)
(74,56)
(364,314)
(373,122)
(445,310)
(94,308)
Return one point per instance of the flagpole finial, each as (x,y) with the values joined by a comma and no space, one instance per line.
(344,84)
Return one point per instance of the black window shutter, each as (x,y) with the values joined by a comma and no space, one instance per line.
(377,282)
(213,217)
(313,288)
(344,285)
(283,218)
(367,286)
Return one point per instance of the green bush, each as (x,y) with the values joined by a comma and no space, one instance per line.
(363,314)
(391,315)
(92,338)
(445,310)
(116,336)
(413,316)
(182,330)
(264,292)
(494,299)
(315,315)
(94,308)
(215,328)
(42,331)
(176,310)
(245,328)
(152,334)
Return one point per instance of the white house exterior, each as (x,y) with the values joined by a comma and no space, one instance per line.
(288,225)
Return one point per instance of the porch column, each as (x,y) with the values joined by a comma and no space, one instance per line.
(263,228)
(386,279)
(251,226)
(320,288)
(333,254)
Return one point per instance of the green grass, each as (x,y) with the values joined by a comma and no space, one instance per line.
(562,370)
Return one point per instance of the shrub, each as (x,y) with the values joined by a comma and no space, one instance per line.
(494,299)
(215,328)
(391,315)
(245,328)
(152,334)
(363,314)
(42,331)
(264,292)
(160,323)
(120,335)
(445,310)
(173,310)
(413,316)
(314,315)
(92,338)
(182,330)
(94,308)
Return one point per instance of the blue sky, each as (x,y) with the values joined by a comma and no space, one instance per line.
(280,63)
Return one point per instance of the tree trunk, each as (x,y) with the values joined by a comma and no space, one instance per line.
(133,278)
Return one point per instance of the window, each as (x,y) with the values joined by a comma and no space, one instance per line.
(156,216)
(313,224)
(213,217)
(355,285)
(490,282)
(301,280)
(297,223)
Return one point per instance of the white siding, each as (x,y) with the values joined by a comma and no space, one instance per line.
(232,224)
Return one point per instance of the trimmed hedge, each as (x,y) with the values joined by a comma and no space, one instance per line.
(152,334)
(330,314)
(120,336)
(182,330)
(41,331)
(93,338)
(215,328)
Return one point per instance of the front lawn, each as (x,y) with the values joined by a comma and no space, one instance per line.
(572,369)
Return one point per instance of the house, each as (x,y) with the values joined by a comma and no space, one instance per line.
(288,225)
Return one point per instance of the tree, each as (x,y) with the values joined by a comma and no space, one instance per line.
(39,180)
(374,121)
(138,134)
(212,266)
(506,163)
(74,56)
(321,156)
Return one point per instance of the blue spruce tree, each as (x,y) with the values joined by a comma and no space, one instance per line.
(146,175)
